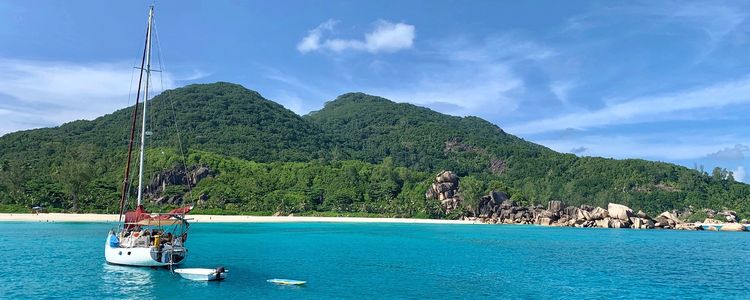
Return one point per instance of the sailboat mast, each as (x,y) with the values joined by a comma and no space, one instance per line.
(145,101)
(126,181)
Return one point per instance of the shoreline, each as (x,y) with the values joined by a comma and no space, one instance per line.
(111,218)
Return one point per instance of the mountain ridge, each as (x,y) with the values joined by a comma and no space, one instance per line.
(232,121)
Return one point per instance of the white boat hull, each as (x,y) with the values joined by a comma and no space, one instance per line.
(199,274)
(136,256)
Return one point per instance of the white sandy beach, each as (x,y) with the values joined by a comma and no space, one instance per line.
(58,217)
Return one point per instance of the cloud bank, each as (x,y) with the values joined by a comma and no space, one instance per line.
(37,93)
(464,76)
(385,37)
(645,109)
(734,153)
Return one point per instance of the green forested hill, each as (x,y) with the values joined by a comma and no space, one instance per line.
(222,117)
(228,119)
(359,154)
(42,166)
(373,128)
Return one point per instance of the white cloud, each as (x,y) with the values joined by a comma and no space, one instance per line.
(645,109)
(385,37)
(390,37)
(561,89)
(739,173)
(648,146)
(734,153)
(46,93)
(456,75)
(473,89)
(53,82)
(466,77)
(312,41)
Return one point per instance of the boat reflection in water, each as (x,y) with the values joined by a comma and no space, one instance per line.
(126,280)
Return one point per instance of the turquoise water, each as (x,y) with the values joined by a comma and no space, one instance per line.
(387,261)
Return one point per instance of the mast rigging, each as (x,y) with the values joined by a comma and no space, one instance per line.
(126,181)
(145,101)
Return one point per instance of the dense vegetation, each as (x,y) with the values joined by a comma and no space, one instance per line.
(360,154)
(372,128)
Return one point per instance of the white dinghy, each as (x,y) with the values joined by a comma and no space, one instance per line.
(286,281)
(201,274)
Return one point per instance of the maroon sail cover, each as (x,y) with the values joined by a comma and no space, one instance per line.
(182,210)
(132,217)
(140,214)
(176,211)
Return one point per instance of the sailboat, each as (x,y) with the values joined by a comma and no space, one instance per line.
(142,238)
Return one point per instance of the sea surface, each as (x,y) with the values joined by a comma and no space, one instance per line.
(386,261)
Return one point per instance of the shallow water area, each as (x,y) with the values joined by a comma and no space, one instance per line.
(346,260)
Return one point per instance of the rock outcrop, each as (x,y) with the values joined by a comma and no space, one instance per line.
(619,211)
(688,226)
(496,208)
(733,227)
(177,176)
(445,189)
(711,221)
(599,213)
(730,216)
(669,216)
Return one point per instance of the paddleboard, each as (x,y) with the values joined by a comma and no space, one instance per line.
(286,281)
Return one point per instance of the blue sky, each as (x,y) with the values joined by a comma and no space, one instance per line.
(658,80)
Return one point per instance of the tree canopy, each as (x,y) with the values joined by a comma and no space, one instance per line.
(358,154)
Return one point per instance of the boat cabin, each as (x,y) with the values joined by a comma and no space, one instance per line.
(149,240)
